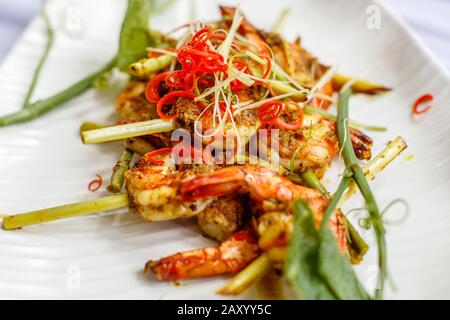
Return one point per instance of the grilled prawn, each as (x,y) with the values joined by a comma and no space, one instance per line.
(153,192)
(230,256)
(315,144)
(271,194)
(272,200)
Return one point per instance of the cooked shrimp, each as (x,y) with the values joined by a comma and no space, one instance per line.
(232,255)
(273,196)
(314,146)
(222,217)
(153,192)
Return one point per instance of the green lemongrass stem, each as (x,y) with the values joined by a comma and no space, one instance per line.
(358,86)
(377,164)
(41,107)
(146,66)
(38,70)
(118,175)
(121,132)
(359,178)
(354,124)
(248,276)
(343,185)
(374,212)
(282,88)
(138,145)
(89,125)
(280,21)
(66,211)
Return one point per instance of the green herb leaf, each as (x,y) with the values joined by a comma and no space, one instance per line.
(336,270)
(302,261)
(134,36)
(315,265)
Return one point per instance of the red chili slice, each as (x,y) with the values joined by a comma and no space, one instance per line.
(202,35)
(169,98)
(291,126)
(270,111)
(152,91)
(95,184)
(242,67)
(422,100)
(269,65)
(151,155)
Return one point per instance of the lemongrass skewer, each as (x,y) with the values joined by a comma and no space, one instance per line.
(66,211)
(121,132)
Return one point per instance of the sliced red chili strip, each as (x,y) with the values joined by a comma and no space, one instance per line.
(95,184)
(152,91)
(169,98)
(280,123)
(151,155)
(270,111)
(269,65)
(242,67)
(202,35)
(422,100)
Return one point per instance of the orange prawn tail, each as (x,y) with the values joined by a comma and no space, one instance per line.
(232,255)
(218,183)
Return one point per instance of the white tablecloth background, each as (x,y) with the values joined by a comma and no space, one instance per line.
(429,19)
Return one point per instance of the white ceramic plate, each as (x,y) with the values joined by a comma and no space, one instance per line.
(43,163)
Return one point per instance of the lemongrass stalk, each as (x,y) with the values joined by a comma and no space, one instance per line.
(354,124)
(377,164)
(280,21)
(343,185)
(358,86)
(66,211)
(139,145)
(89,125)
(283,88)
(121,132)
(38,70)
(118,175)
(147,66)
(41,107)
(249,275)
(351,163)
